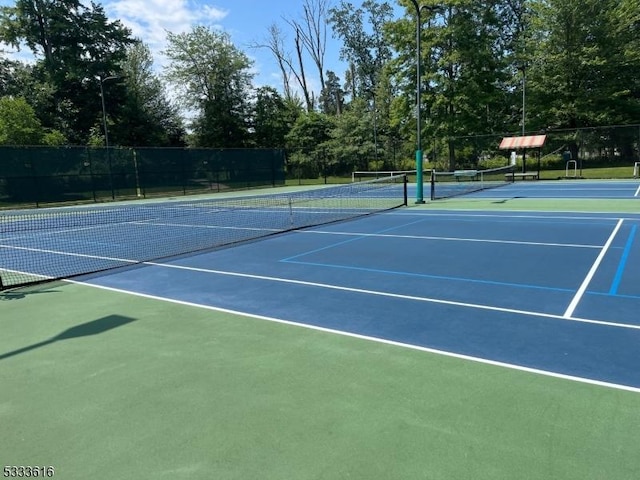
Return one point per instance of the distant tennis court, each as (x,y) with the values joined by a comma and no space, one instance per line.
(490,336)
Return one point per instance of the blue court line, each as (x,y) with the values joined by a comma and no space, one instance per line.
(425,219)
(617,295)
(623,262)
(328,247)
(433,277)
(523,219)
(293,260)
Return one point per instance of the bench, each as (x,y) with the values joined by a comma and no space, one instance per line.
(523,176)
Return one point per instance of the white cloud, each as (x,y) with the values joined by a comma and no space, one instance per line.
(150,20)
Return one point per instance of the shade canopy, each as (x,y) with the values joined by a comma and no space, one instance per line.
(531,141)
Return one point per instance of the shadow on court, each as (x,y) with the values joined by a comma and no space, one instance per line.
(94,327)
(19,294)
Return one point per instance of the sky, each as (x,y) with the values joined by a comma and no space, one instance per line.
(246,21)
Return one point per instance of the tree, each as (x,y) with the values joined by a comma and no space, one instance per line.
(6,75)
(367,51)
(365,46)
(213,78)
(583,72)
(464,69)
(311,35)
(273,118)
(332,96)
(306,140)
(19,125)
(147,117)
(275,43)
(352,142)
(74,44)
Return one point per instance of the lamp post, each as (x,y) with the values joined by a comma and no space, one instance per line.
(104,109)
(524,97)
(419,159)
(106,130)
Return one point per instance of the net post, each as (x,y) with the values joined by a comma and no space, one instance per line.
(432,183)
(290,211)
(419,180)
(405,190)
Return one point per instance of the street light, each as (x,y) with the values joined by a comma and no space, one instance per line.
(419,180)
(524,96)
(104,109)
(106,131)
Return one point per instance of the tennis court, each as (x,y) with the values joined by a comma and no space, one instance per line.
(490,336)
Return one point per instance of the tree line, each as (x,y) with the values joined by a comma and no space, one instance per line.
(488,66)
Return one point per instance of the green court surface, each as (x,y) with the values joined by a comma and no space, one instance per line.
(583,205)
(106,385)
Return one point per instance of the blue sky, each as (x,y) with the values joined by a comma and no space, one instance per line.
(247,21)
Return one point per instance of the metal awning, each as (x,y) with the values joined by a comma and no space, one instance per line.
(531,141)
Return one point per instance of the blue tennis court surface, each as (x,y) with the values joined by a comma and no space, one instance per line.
(555,293)
(618,189)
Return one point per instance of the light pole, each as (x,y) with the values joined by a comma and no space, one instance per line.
(524,96)
(419,159)
(104,108)
(106,130)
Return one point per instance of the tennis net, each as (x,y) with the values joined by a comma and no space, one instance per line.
(462,182)
(57,243)
(364,175)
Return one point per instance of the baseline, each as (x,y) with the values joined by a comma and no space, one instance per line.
(434,351)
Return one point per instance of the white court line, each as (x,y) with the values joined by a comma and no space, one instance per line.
(453,239)
(514,215)
(27,274)
(210,227)
(578,296)
(347,289)
(395,295)
(69,254)
(434,351)
(637,194)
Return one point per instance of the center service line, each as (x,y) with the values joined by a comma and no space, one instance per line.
(592,272)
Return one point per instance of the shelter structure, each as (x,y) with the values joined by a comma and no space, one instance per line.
(525,143)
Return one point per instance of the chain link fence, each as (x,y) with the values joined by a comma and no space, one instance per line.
(45,175)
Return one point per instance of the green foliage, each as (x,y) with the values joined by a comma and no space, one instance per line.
(364,44)
(582,70)
(212,77)
(146,117)
(54,138)
(19,124)
(73,44)
(332,97)
(578,59)
(352,143)
(306,142)
(273,118)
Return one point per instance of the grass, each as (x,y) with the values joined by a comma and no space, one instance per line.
(605,173)
(624,172)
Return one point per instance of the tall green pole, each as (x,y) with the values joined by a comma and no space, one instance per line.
(419,153)
(419,157)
